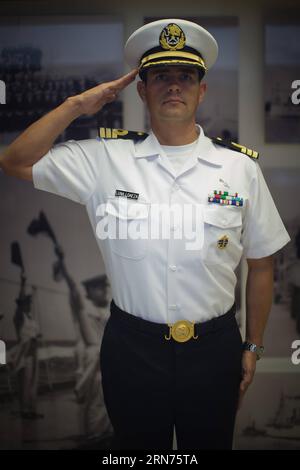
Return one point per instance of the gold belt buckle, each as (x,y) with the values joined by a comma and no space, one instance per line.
(181,331)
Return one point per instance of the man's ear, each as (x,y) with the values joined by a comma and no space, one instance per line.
(202,91)
(141,88)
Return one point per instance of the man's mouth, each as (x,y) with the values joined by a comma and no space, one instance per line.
(173,100)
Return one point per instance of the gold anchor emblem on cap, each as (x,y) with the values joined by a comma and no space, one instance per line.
(181,331)
(172,37)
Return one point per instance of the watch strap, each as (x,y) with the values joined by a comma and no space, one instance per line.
(252,347)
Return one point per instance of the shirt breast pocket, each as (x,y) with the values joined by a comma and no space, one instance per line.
(128,224)
(222,235)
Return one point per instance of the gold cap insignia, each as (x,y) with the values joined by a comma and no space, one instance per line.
(172,37)
(223,242)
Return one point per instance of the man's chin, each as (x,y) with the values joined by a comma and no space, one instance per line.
(173,117)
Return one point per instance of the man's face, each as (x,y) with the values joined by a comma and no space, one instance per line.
(172,93)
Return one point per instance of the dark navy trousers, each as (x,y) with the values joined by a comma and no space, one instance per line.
(151,385)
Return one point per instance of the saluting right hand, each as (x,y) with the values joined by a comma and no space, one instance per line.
(91,101)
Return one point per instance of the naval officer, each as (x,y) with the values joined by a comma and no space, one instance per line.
(172,354)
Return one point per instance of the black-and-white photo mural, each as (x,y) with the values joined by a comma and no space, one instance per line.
(44,60)
(54,292)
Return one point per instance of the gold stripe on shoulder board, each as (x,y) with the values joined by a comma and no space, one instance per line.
(109,133)
(237,147)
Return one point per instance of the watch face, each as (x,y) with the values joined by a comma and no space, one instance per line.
(260,351)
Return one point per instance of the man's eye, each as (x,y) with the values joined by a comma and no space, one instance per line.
(186,77)
(160,77)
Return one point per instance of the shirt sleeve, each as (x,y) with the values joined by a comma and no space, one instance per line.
(264,232)
(70,169)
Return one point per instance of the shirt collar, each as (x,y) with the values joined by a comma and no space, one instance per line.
(205,149)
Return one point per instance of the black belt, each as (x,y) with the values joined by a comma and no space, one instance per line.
(181,331)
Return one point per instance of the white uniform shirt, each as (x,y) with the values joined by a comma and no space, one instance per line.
(178,154)
(160,279)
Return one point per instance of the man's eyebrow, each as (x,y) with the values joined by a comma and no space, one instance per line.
(160,70)
(188,70)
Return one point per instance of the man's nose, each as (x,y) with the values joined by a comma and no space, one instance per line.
(174,84)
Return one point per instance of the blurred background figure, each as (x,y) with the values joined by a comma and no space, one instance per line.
(89,327)
(25,363)
(41,227)
(25,354)
(88,390)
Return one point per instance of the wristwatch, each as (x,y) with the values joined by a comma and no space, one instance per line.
(259,350)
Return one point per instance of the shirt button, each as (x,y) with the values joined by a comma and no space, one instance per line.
(173,267)
(173,307)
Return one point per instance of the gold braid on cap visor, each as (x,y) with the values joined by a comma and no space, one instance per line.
(172,57)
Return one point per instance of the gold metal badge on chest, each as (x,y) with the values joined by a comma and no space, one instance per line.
(223,242)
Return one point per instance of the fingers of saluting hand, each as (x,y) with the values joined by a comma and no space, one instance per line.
(123,81)
(92,100)
(109,90)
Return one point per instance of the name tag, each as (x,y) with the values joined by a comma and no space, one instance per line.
(128,194)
